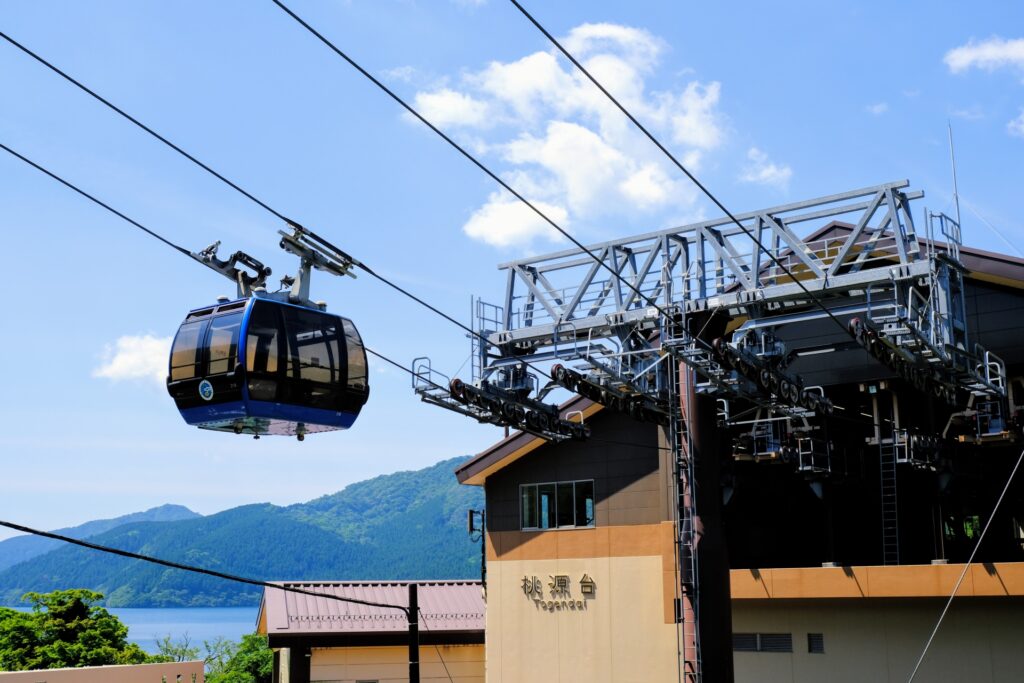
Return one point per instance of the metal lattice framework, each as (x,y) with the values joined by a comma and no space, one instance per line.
(620,310)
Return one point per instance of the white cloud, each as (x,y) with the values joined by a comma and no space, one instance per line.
(989,55)
(582,163)
(696,123)
(505,221)
(877,109)
(762,171)
(447,107)
(1016,126)
(558,140)
(528,86)
(648,186)
(136,358)
(636,46)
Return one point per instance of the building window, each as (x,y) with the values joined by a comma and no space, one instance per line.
(557,505)
(762,642)
(816,643)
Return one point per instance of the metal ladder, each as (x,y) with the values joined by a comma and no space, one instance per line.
(686,553)
(485,318)
(890,518)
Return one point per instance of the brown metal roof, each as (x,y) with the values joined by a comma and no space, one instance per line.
(445,607)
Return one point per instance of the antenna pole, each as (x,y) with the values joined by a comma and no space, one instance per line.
(952,161)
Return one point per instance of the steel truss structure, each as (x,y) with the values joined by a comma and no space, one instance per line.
(900,294)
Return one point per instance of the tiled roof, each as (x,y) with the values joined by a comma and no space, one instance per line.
(445,606)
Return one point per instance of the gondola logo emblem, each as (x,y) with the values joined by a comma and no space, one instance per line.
(206,390)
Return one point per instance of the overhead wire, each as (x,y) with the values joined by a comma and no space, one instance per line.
(143,126)
(423,620)
(91,198)
(988,224)
(194,569)
(970,561)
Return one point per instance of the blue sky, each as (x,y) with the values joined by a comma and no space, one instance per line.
(768,103)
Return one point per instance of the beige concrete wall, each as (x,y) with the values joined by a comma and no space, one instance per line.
(178,672)
(619,635)
(464,663)
(981,640)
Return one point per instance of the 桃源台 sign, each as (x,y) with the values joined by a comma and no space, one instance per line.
(559,595)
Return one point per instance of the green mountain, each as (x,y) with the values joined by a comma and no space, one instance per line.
(397,526)
(22,548)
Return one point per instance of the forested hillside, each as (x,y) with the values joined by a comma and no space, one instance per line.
(402,525)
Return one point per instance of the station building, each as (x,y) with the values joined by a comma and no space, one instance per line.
(581,561)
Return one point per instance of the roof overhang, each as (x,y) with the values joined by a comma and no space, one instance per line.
(513,447)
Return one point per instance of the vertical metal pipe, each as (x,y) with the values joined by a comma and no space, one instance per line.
(414,634)
(483,551)
(952,162)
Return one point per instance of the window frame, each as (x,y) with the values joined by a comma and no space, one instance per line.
(233,357)
(537,512)
(198,363)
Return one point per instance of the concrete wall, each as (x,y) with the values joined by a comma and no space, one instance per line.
(464,663)
(880,640)
(623,632)
(178,672)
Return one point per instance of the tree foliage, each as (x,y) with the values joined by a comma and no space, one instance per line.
(170,650)
(250,661)
(65,629)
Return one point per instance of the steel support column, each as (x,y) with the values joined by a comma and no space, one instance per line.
(414,633)
(714,603)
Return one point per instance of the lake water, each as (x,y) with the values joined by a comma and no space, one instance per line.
(146,625)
